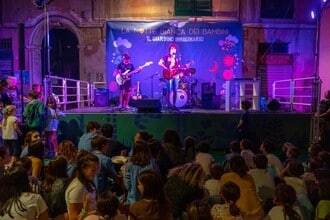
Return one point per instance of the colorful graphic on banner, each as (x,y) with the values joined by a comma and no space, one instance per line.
(214,50)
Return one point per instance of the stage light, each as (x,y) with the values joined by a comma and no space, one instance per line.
(324,0)
(312,14)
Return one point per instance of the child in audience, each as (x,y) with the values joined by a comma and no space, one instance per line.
(292,176)
(292,155)
(189,147)
(68,150)
(285,197)
(4,159)
(107,208)
(11,132)
(267,147)
(264,182)
(26,163)
(204,157)
(30,137)
(154,204)
(199,210)
(235,150)
(85,140)
(284,148)
(246,153)
(248,203)
(52,114)
(212,185)
(141,160)
(230,193)
(323,207)
(53,188)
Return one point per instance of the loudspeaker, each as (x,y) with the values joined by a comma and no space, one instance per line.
(273,105)
(101,97)
(147,105)
(21,46)
(211,101)
(208,88)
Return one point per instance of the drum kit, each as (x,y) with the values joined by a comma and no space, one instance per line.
(186,94)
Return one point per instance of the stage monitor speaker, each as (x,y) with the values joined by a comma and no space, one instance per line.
(147,105)
(211,101)
(273,105)
(101,97)
(208,88)
(21,46)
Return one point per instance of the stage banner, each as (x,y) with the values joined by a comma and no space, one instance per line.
(213,50)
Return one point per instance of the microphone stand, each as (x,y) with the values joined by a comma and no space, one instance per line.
(152,83)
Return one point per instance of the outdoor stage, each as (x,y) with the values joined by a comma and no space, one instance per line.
(216,126)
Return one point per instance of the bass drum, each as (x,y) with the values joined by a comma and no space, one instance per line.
(181,98)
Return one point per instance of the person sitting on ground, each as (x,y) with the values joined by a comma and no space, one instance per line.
(153,204)
(248,203)
(246,152)
(85,140)
(184,185)
(285,208)
(107,208)
(173,147)
(53,188)
(16,200)
(292,155)
(114,147)
(266,148)
(235,150)
(68,150)
(265,185)
(107,172)
(204,157)
(230,193)
(212,185)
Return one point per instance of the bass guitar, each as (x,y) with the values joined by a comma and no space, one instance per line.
(121,78)
(171,73)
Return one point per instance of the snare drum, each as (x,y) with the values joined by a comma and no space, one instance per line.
(181,98)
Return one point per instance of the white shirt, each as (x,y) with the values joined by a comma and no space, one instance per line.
(76,192)
(276,213)
(8,131)
(205,160)
(265,185)
(34,204)
(274,162)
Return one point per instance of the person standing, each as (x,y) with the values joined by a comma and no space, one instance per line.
(171,64)
(34,113)
(244,124)
(122,74)
(52,121)
(324,114)
(11,132)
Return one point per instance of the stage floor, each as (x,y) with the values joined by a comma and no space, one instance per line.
(132,110)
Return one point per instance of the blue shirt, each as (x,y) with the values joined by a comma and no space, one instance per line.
(85,142)
(106,170)
(130,179)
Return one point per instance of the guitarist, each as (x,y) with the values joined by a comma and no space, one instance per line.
(125,88)
(170,64)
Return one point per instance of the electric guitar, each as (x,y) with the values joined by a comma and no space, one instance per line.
(171,73)
(121,78)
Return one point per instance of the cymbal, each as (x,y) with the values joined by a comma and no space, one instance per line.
(162,79)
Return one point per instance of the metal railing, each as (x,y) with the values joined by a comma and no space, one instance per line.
(297,94)
(70,93)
